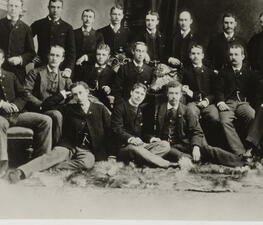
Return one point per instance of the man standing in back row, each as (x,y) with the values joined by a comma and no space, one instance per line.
(52,30)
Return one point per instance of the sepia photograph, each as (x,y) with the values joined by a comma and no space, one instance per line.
(131,112)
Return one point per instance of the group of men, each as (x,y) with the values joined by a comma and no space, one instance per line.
(82,111)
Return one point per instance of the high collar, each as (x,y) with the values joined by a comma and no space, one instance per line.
(185,33)
(137,65)
(50,70)
(169,106)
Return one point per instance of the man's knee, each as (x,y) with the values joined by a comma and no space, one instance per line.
(55,115)
(165,146)
(4,125)
(88,161)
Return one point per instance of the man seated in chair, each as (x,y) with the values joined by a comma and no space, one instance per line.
(11,114)
(128,129)
(86,127)
(177,124)
(100,76)
(45,81)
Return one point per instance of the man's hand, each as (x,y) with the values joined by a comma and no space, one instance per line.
(106,89)
(154,139)
(187,91)
(66,73)
(16,60)
(36,60)
(135,141)
(82,59)
(174,61)
(7,107)
(14,107)
(203,104)
(196,154)
(65,93)
(223,106)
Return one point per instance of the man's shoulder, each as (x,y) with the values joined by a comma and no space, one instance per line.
(104,29)
(8,74)
(65,24)
(40,21)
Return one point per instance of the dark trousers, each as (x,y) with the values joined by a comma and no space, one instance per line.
(255,132)
(238,110)
(208,154)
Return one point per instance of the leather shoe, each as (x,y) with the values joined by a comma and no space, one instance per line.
(15,176)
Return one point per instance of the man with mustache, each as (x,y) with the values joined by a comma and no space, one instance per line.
(233,92)
(217,50)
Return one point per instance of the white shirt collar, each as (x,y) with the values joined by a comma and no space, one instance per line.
(229,36)
(151,32)
(185,33)
(50,19)
(100,66)
(169,106)
(9,17)
(115,28)
(198,66)
(136,64)
(85,29)
(50,70)
(237,68)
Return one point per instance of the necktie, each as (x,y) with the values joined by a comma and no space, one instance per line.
(172,113)
(139,69)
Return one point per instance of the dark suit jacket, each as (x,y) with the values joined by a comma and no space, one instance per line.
(16,41)
(188,130)
(118,40)
(226,83)
(74,121)
(179,47)
(62,34)
(89,49)
(125,123)
(200,81)
(160,47)
(255,52)
(12,90)
(127,76)
(217,50)
(36,86)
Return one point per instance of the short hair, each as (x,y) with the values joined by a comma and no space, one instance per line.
(229,14)
(116,7)
(2,52)
(237,45)
(187,11)
(59,47)
(79,83)
(88,10)
(139,85)
(196,46)
(103,46)
(173,84)
(153,13)
(22,2)
(55,1)
(139,43)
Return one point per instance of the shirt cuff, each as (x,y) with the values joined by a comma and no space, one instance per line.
(21,60)
(69,70)
(1,103)
(206,99)
(220,103)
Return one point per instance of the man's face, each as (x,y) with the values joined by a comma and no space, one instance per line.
(55,9)
(55,57)
(139,53)
(116,16)
(80,94)
(174,95)
(137,96)
(151,22)
(229,25)
(196,55)
(2,59)
(88,18)
(185,21)
(236,56)
(261,21)
(102,56)
(14,8)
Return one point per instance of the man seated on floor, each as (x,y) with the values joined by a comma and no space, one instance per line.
(177,124)
(86,127)
(45,81)
(11,114)
(127,127)
(100,76)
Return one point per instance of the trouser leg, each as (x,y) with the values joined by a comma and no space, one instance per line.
(210,114)
(57,120)
(255,132)
(233,140)
(45,161)
(42,128)
(81,159)
(4,125)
